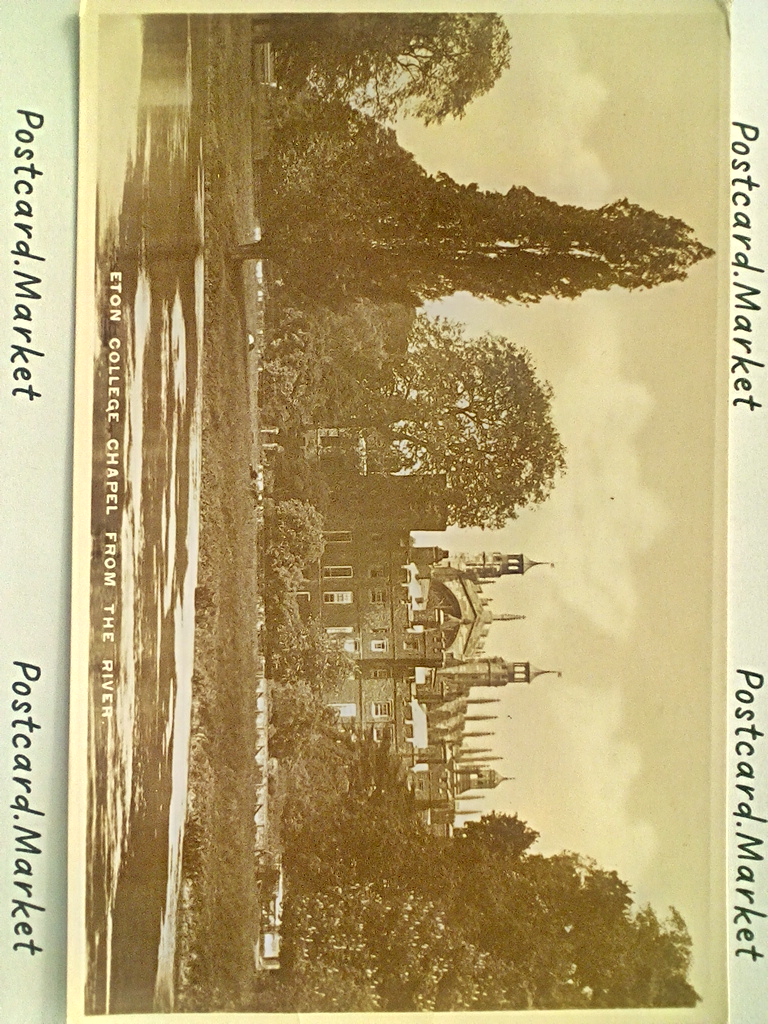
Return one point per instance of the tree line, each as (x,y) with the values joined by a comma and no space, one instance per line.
(359,236)
(382,914)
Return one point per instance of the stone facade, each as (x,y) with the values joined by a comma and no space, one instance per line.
(415,623)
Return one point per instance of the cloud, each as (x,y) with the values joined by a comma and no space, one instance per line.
(534,124)
(604,515)
(118,91)
(565,100)
(608,514)
(573,774)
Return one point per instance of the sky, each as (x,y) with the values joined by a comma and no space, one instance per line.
(613,759)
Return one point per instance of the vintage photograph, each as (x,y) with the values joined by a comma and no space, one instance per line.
(399,602)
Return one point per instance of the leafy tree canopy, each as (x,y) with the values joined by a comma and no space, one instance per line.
(503,832)
(398,950)
(322,366)
(471,409)
(294,539)
(295,530)
(350,213)
(414,921)
(428,65)
(381,914)
(475,410)
(305,653)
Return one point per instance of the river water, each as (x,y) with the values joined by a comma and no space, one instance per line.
(150,233)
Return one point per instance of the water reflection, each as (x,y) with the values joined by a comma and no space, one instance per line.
(150,201)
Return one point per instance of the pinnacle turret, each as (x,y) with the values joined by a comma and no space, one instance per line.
(494,565)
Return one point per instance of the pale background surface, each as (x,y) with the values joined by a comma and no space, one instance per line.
(38,72)
(748,640)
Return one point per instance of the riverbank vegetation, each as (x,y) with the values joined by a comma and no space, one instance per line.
(220,902)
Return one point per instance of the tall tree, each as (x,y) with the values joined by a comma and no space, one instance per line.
(294,539)
(569,933)
(505,833)
(350,213)
(428,65)
(470,409)
(321,366)
(475,410)
(396,948)
(655,958)
(305,653)
(381,914)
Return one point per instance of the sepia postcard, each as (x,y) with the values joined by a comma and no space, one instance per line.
(399,650)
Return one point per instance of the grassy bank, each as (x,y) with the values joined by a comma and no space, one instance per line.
(219,911)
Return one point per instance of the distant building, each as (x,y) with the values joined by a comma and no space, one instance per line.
(415,622)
